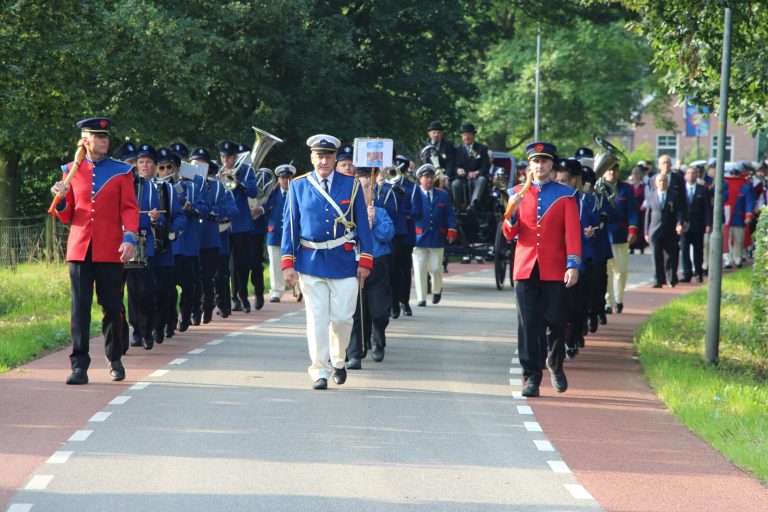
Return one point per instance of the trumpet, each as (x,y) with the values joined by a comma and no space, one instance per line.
(431,154)
(228,177)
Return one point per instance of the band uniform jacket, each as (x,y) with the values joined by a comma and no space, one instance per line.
(173,203)
(437,221)
(274,211)
(548,229)
(479,159)
(220,208)
(247,187)
(193,191)
(149,201)
(743,207)
(408,211)
(661,220)
(699,209)
(102,209)
(626,214)
(309,216)
(589,217)
(384,196)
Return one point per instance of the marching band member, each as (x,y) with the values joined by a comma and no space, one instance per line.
(622,233)
(376,297)
(223,297)
(172,202)
(256,241)
(100,204)
(181,150)
(274,211)
(242,223)
(405,227)
(437,224)
(344,161)
(324,222)
(201,156)
(547,258)
(140,280)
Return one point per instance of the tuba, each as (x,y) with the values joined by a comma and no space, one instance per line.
(606,159)
(266,179)
(262,145)
(430,154)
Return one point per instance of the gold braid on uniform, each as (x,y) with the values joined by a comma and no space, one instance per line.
(349,224)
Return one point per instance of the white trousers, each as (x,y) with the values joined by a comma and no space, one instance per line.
(276,281)
(425,261)
(618,267)
(735,246)
(330,307)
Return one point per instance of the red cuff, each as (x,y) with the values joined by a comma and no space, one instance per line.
(287,261)
(452,233)
(366,261)
(633,230)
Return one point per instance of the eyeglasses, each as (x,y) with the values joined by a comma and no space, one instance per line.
(164,167)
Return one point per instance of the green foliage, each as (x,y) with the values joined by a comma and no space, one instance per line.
(724,404)
(687,41)
(643,151)
(760,275)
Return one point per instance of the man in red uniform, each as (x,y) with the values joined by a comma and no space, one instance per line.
(547,259)
(100,204)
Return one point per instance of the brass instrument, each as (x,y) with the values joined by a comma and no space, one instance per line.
(605,160)
(266,181)
(139,261)
(430,154)
(264,142)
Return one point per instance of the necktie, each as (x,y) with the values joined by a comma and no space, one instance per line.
(661,200)
(325,185)
(283,195)
(690,194)
(429,198)
(469,150)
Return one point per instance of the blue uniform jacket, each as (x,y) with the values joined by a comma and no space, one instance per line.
(385,197)
(274,212)
(178,222)
(222,207)
(601,243)
(196,196)
(626,214)
(415,213)
(149,201)
(309,216)
(745,204)
(383,232)
(436,222)
(589,217)
(243,222)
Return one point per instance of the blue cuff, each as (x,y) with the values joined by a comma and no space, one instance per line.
(512,220)
(130,237)
(61,206)
(573,262)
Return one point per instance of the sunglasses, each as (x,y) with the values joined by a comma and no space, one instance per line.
(164,167)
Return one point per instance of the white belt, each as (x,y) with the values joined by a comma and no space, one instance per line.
(330,244)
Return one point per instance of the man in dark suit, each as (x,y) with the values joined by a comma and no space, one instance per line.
(665,222)
(445,149)
(699,223)
(472,165)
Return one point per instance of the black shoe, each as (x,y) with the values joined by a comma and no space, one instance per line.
(657,285)
(223,313)
(739,265)
(728,266)
(601,318)
(608,310)
(436,298)
(246,307)
(148,343)
(184,324)
(531,389)
(236,306)
(169,331)
(699,279)
(116,370)
(340,376)
(580,342)
(592,323)
(354,364)
(320,384)
(157,337)
(196,318)
(135,339)
(559,382)
(570,352)
(406,309)
(274,299)
(445,268)
(77,377)
(422,303)
(466,259)
(619,307)
(395,310)
(259,301)
(686,279)
(377,354)
(207,316)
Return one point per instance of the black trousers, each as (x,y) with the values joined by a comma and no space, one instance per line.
(467,191)
(696,240)
(377,300)
(599,282)
(666,251)
(400,265)
(209,263)
(542,312)
(240,248)
(165,299)
(221,285)
(108,278)
(187,272)
(256,262)
(141,299)
(578,297)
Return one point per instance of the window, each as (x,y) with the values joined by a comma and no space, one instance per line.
(728,147)
(666,145)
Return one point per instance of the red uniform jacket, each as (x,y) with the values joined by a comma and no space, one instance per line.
(101,206)
(549,232)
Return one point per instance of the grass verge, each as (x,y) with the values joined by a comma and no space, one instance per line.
(727,404)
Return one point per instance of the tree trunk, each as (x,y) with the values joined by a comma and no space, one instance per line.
(9,183)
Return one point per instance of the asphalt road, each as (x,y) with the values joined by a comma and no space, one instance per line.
(438,426)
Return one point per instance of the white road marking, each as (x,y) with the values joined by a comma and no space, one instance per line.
(518,395)
(544,446)
(196,351)
(515,360)
(158,373)
(271,320)
(100,416)
(292,313)
(178,361)
(253,327)
(119,400)
(558,466)
(234,334)
(578,492)
(515,382)
(59,457)
(39,482)
(516,351)
(516,371)
(81,435)
(532,426)
(524,409)
(139,386)
(215,342)
(20,507)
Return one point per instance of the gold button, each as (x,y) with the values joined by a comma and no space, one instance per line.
(537,243)
(538,234)
(326,220)
(327,232)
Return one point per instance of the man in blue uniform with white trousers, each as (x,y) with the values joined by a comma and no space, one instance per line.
(327,248)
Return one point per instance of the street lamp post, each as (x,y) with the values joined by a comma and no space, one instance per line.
(716,240)
(536,97)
